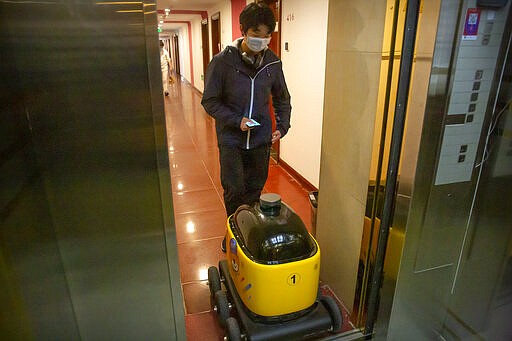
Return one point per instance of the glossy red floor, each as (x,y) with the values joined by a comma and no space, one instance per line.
(198,205)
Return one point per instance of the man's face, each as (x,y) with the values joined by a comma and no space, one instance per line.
(257,39)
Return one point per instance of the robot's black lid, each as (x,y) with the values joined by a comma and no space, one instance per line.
(270,232)
(270,204)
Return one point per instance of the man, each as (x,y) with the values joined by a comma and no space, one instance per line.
(165,61)
(238,85)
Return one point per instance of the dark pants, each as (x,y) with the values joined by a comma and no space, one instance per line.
(243,174)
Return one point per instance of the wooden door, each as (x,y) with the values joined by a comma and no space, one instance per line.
(216,34)
(205,44)
(176,48)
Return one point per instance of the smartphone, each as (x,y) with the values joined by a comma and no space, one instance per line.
(252,123)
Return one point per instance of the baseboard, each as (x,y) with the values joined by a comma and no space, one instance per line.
(196,90)
(308,186)
(188,83)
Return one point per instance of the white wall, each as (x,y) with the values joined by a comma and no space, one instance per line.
(184,52)
(197,54)
(304,27)
(224,8)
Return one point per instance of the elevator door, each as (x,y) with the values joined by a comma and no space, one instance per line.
(87,238)
(455,277)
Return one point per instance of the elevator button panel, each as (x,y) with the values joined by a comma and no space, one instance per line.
(474,69)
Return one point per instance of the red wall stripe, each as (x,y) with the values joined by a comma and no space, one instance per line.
(236,8)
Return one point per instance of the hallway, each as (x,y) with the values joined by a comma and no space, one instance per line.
(199,212)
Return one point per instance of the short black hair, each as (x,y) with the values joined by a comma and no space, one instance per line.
(255,14)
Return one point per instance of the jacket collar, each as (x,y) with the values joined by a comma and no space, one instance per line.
(235,59)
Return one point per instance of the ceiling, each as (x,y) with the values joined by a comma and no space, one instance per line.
(184,5)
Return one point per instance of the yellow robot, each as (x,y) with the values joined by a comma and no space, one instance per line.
(271,275)
(273,260)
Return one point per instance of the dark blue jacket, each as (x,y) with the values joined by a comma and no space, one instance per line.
(234,89)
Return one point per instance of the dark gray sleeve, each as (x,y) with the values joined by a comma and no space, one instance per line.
(212,100)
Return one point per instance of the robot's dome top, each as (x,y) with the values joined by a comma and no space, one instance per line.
(270,204)
(270,232)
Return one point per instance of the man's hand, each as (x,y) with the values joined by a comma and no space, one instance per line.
(243,124)
(276,135)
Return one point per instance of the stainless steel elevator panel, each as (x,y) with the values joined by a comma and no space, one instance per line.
(88,239)
(454,280)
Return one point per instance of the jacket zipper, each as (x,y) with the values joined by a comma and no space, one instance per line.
(252,99)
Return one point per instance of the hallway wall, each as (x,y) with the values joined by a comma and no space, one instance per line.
(224,8)
(197,51)
(354,53)
(184,48)
(304,68)
(197,76)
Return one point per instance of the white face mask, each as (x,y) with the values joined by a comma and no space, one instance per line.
(257,44)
